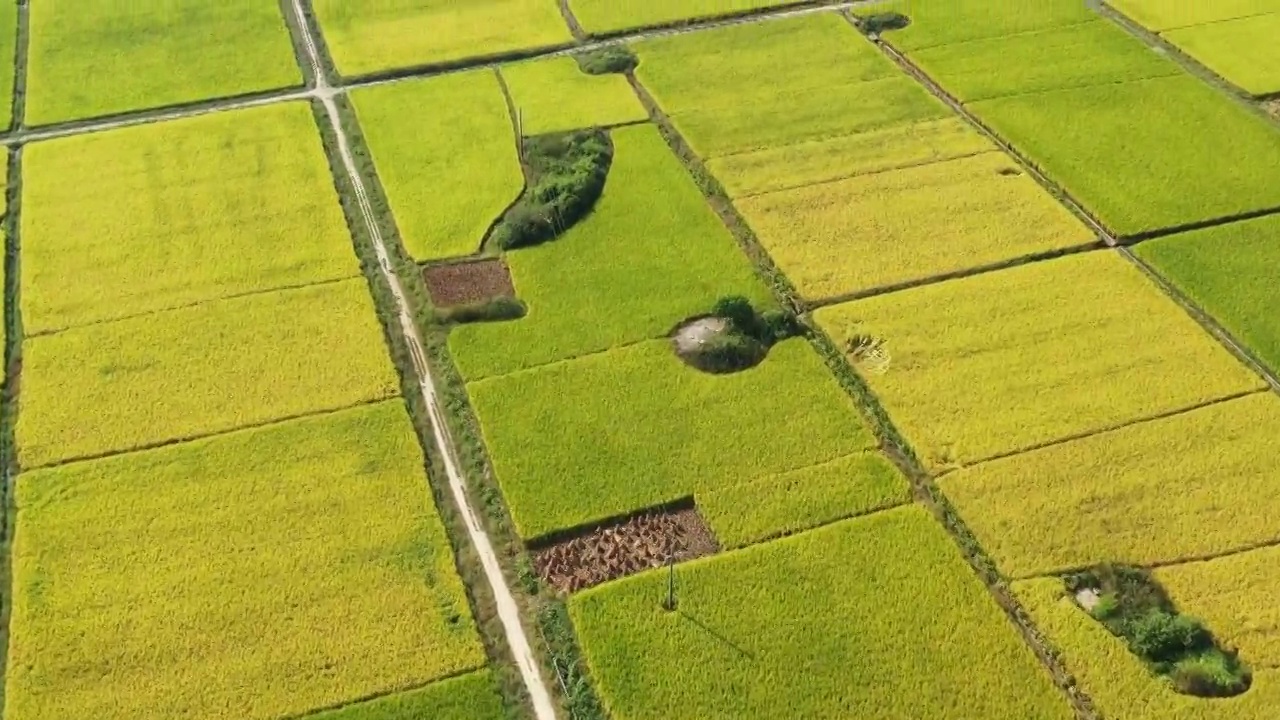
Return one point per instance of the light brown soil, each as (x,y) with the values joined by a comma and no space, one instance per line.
(1273,108)
(644,542)
(465,283)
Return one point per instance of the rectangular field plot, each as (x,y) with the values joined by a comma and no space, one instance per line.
(1161,15)
(650,254)
(256,575)
(555,95)
(1096,53)
(1119,683)
(605,16)
(1231,272)
(1236,597)
(1187,152)
(878,618)
(470,697)
(1190,485)
(829,159)
(1244,51)
(1003,362)
(8,51)
(943,22)
(886,228)
(450,172)
(102,58)
(159,216)
(366,37)
(199,370)
(589,439)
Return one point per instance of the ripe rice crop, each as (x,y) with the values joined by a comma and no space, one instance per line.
(1191,485)
(554,95)
(943,22)
(600,436)
(789,502)
(1243,51)
(819,161)
(102,58)
(877,618)
(469,697)
(650,254)
(1188,152)
(159,216)
(365,37)
(1082,344)
(250,576)
(604,16)
(198,370)
(885,228)
(1229,271)
(1161,15)
(8,51)
(448,173)
(1095,53)
(1119,683)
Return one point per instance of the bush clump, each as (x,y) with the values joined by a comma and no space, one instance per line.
(881,22)
(608,60)
(745,339)
(497,309)
(567,172)
(1133,606)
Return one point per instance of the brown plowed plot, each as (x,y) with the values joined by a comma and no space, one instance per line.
(468,282)
(644,542)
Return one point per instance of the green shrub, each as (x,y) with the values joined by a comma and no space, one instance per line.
(1108,606)
(607,60)
(1162,637)
(567,173)
(503,308)
(1212,674)
(739,312)
(729,352)
(880,22)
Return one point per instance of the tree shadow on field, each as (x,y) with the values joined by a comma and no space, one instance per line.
(719,637)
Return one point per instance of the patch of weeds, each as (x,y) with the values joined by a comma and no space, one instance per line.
(607,60)
(734,336)
(880,22)
(1133,606)
(566,174)
(497,309)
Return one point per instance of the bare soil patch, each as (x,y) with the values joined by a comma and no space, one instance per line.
(468,283)
(1273,108)
(643,542)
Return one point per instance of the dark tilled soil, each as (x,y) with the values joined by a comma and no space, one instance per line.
(465,283)
(641,543)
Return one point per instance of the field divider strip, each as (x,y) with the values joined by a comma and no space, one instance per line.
(571,358)
(12,351)
(1175,562)
(194,304)
(466,672)
(575,27)
(507,609)
(865,173)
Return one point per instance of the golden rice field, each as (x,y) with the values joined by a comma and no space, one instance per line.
(1117,681)
(1191,485)
(450,173)
(1082,344)
(898,226)
(469,697)
(366,37)
(554,95)
(161,216)
(198,370)
(103,58)
(251,576)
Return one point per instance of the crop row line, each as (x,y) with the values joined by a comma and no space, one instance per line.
(23,135)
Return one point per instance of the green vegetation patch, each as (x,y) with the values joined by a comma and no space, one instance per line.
(1096,53)
(366,37)
(1161,15)
(790,502)
(1195,484)
(606,16)
(1082,344)
(943,22)
(1147,155)
(1244,51)
(259,574)
(202,369)
(564,178)
(446,154)
(102,58)
(469,697)
(877,618)
(555,95)
(885,228)
(1230,271)
(603,435)
(820,161)
(650,254)
(159,216)
(8,54)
